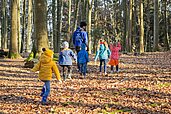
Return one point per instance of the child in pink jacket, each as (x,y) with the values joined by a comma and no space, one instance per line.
(114,58)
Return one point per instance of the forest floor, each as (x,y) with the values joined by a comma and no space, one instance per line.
(143,86)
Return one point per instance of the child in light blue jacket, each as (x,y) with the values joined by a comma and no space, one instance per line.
(103,53)
(65,60)
(83,59)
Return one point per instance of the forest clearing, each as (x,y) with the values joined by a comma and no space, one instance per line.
(143,86)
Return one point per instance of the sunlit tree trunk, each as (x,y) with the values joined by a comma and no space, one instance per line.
(166,39)
(4,25)
(59,23)
(54,24)
(124,46)
(141,28)
(95,25)
(156,26)
(76,13)
(23,26)
(89,24)
(29,26)
(130,26)
(69,21)
(40,24)
(13,53)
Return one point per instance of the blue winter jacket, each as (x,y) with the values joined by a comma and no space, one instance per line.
(102,52)
(65,57)
(83,55)
(84,37)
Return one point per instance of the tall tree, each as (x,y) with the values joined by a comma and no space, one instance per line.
(130,26)
(59,23)
(40,24)
(90,3)
(4,25)
(13,53)
(141,28)
(69,21)
(156,26)
(166,39)
(29,26)
(54,24)
(23,26)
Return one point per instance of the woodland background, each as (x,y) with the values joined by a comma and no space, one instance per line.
(140,25)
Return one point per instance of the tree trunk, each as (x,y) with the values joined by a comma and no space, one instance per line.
(69,21)
(14,31)
(59,23)
(89,24)
(40,25)
(130,26)
(166,39)
(29,26)
(124,46)
(4,25)
(95,25)
(156,26)
(54,25)
(22,43)
(141,28)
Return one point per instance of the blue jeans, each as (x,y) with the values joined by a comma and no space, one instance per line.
(45,90)
(105,67)
(83,68)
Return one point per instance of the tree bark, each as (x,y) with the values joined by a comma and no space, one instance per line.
(141,28)
(156,26)
(40,25)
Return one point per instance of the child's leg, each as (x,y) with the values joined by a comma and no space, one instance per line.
(64,75)
(47,91)
(84,69)
(105,66)
(43,90)
(117,68)
(101,65)
(69,71)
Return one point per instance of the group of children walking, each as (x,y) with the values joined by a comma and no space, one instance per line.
(46,65)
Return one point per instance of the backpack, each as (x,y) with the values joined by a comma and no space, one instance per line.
(78,38)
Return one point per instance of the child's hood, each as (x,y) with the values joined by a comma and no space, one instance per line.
(47,56)
(83,46)
(102,47)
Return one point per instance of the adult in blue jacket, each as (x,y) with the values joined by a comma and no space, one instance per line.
(80,36)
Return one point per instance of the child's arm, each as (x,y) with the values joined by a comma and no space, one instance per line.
(119,45)
(56,71)
(73,55)
(108,52)
(36,67)
(97,54)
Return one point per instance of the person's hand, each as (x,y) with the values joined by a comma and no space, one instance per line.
(60,81)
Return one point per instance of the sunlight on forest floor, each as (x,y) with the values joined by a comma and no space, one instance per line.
(143,85)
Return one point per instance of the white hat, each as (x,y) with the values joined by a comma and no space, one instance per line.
(65,44)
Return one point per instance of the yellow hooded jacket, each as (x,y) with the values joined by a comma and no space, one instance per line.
(46,66)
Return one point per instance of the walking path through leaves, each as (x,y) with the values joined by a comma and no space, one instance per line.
(143,86)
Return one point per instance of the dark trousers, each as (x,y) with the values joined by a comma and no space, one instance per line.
(66,69)
(117,68)
(103,61)
(83,68)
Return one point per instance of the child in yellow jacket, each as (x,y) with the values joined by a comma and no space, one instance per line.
(46,66)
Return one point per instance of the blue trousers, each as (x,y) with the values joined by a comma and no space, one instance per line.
(45,90)
(83,68)
(103,61)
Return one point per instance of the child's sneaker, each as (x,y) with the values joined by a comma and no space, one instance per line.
(105,74)
(112,72)
(100,73)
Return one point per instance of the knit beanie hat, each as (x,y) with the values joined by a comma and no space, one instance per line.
(65,44)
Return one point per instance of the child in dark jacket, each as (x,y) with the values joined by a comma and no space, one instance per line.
(65,60)
(83,59)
